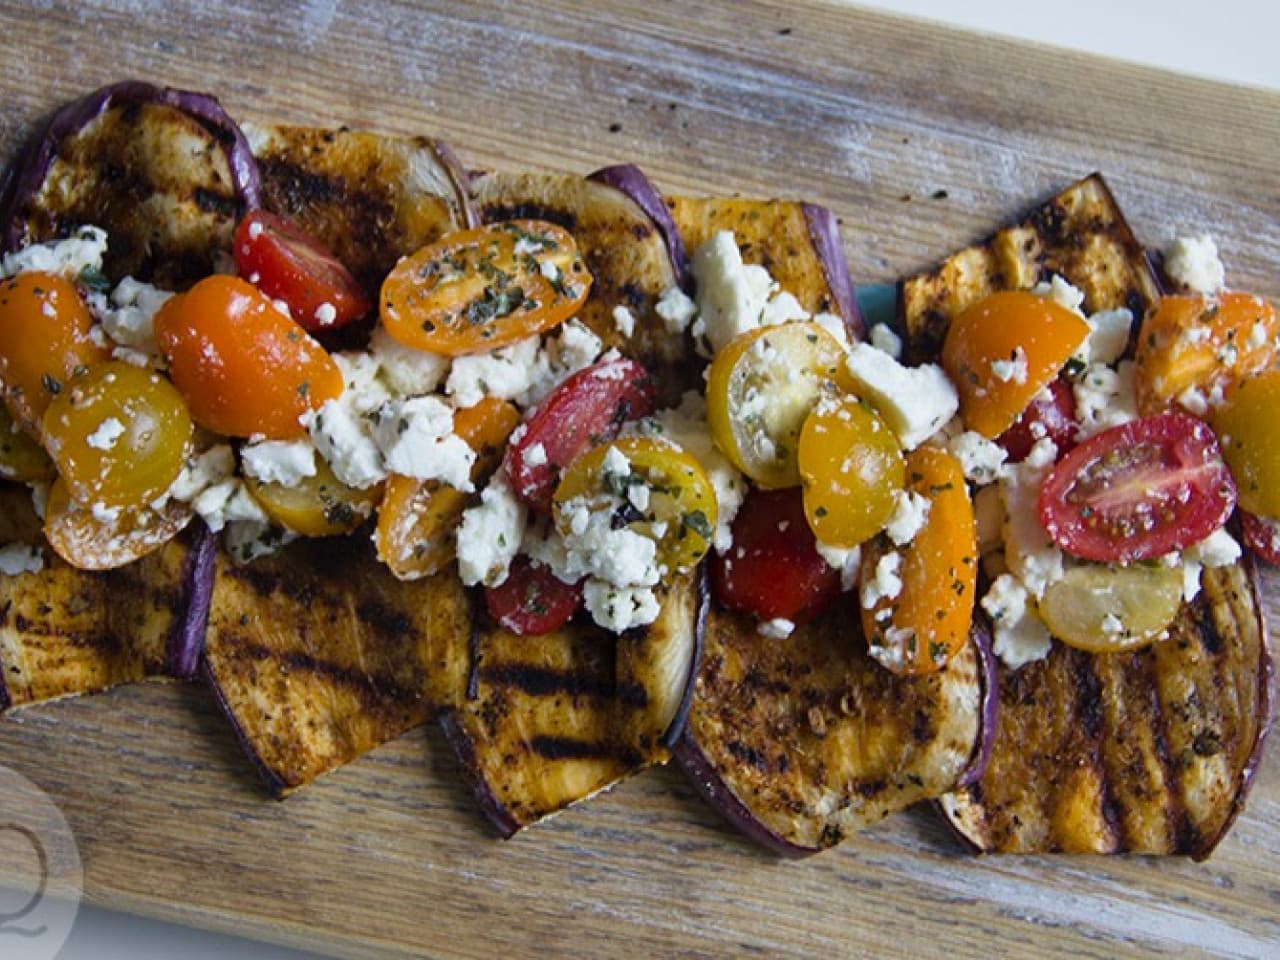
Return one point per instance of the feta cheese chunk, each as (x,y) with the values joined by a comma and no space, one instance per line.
(619,608)
(505,373)
(886,341)
(1108,336)
(624,320)
(884,584)
(1019,635)
(199,473)
(128,318)
(1193,263)
(286,462)
(17,558)
(778,628)
(1061,292)
(676,310)
(1029,551)
(1219,549)
(910,512)
(731,294)
(405,370)
(342,436)
(108,432)
(980,458)
(845,559)
(71,257)
(490,534)
(416,439)
(1105,398)
(916,401)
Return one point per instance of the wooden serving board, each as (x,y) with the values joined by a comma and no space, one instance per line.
(922,139)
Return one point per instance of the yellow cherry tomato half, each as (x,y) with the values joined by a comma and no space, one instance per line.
(927,622)
(1202,343)
(1004,350)
(21,458)
(1248,428)
(850,466)
(1106,608)
(479,289)
(44,342)
(243,366)
(761,388)
(417,519)
(118,434)
(320,505)
(679,503)
(98,540)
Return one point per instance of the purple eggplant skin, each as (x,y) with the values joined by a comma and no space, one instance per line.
(675,730)
(824,231)
(76,115)
(631,180)
(464,750)
(274,783)
(461,180)
(186,640)
(988,669)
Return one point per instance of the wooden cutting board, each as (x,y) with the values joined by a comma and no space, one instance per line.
(922,139)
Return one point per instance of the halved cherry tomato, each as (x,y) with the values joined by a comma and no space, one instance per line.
(927,623)
(773,570)
(760,389)
(282,261)
(1202,343)
(1051,414)
(1004,350)
(93,540)
(1261,536)
(1138,491)
(417,519)
(1248,427)
(21,457)
(1111,609)
(850,466)
(478,289)
(317,506)
(44,342)
(587,409)
(680,509)
(532,600)
(243,366)
(118,434)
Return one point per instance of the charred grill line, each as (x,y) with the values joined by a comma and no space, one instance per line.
(545,682)
(551,747)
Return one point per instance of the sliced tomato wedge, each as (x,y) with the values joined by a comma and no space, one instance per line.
(475,290)
(587,409)
(285,263)
(1138,491)
(773,569)
(1051,414)
(532,600)
(1261,536)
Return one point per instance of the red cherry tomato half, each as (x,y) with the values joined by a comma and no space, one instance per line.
(1261,536)
(1138,491)
(773,568)
(1051,414)
(586,410)
(286,264)
(532,600)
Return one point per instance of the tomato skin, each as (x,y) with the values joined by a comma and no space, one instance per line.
(532,600)
(587,409)
(277,257)
(1261,537)
(44,340)
(242,365)
(1246,426)
(999,328)
(1054,413)
(89,543)
(472,292)
(1138,491)
(773,570)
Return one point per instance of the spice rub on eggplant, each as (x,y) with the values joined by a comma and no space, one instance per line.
(1145,752)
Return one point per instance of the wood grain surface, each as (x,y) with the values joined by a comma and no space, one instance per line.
(922,139)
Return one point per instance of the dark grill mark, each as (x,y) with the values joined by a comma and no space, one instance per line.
(385,619)
(571,748)
(633,695)
(1088,695)
(216,203)
(497,212)
(745,753)
(1206,628)
(544,682)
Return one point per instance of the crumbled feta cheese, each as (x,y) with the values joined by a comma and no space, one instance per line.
(835,326)
(980,458)
(886,341)
(574,348)
(535,455)
(778,628)
(490,534)
(1029,551)
(884,583)
(286,462)
(228,502)
(1061,292)
(405,370)
(526,246)
(1019,635)
(247,540)
(199,473)
(128,318)
(416,439)
(17,558)
(1257,336)
(71,257)
(845,559)
(594,548)
(619,608)
(1108,336)
(624,320)
(910,512)
(363,391)
(1193,263)
(731,295)
(505,373)
(343,437)
(916,401)
(1219,549)
(108,432)
(676,310)
(783,307)
(105,515)
(326,314)
(40,497)
(1191,570)
(1012,370)
(1105,398)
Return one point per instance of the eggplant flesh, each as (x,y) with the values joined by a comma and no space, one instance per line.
(1148,752)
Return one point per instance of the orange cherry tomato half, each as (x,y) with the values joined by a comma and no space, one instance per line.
(927,623)
(1201,343)
(106,541)
(1004,350)
(282,261)
(44,342)
(242,365)
(479,289)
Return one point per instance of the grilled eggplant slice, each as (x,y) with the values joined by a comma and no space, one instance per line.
(627,254)
(801,742)
(370,199)
(1147,752)
(544,722)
